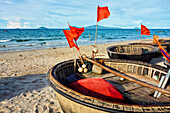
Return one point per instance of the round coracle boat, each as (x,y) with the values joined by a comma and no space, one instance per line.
(137,97)
(143,53)
(164,43)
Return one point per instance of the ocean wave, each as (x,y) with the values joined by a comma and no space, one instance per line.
(22,40)
(41,39)
(4,40)
(4,46)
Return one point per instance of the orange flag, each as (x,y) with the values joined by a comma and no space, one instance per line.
(102,13)
(155,37)
(164,53)
(76,30)
(70,35)
(144,30)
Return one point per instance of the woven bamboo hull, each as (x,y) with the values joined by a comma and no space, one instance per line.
(165,45)
(74,102)
(166,42)
(70,106)
(132,52)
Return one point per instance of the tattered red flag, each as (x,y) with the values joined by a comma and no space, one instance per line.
(76,30)
(144,30)
(102,13)
(70,35)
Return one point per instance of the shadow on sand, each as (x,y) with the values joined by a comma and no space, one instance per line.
(14,86)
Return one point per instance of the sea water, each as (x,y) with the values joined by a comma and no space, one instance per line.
(30,39)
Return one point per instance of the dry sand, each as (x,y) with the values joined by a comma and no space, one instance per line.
(23,84)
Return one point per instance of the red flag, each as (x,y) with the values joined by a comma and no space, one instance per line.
(144,30)
(76,30)
(70,35)
(102,13)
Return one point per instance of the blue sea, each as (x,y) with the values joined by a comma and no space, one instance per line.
(30,39)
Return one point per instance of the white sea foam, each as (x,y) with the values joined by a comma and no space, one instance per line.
(4,40)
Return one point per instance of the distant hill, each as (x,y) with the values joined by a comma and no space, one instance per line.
(42,28)
(100,27)
(136,28)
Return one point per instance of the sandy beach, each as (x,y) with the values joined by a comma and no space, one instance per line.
(23,84)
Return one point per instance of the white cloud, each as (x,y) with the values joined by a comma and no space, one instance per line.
(26,25)
(137,22)
(12,25)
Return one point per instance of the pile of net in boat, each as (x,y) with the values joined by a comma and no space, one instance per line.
(98,88)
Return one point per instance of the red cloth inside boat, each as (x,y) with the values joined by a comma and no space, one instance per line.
(98,88)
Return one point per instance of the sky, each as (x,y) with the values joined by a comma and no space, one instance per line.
(30,14)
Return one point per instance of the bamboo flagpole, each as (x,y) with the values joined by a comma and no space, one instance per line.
(141,34)
(83,68)
(94,51)
(80,69)
(96,34)
(75,57)
(79,53)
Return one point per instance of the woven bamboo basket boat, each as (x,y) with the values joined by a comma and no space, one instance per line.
(140,98)
(164,43)
(132,52)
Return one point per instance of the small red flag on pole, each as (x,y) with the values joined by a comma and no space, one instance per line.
(70,35)
(73,34)
(144,30)
(102,13)
(76,30)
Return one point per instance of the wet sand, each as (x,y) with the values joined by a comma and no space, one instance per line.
(23,84)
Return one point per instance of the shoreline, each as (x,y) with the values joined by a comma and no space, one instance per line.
(23,84)
(51,47)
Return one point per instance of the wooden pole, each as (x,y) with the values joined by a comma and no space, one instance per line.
(128,77)
(159,85)
(141,35)
(96,34)
(79,53)
(165,82)
(75,57)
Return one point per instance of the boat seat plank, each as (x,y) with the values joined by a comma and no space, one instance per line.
(147,79)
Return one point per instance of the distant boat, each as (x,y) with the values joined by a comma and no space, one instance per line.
(137,30)
(5,30)
(160,31)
